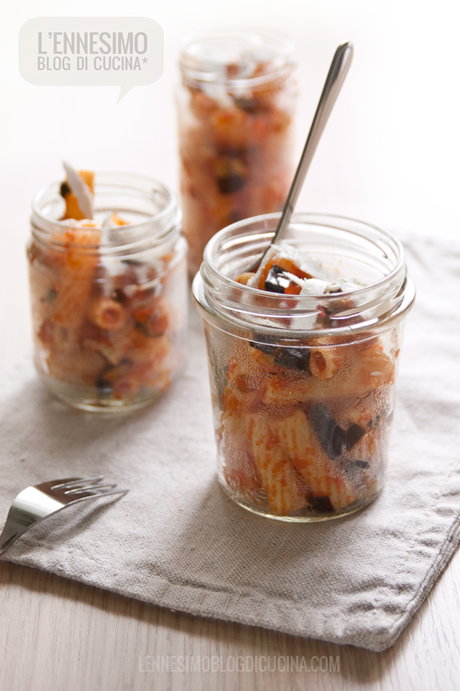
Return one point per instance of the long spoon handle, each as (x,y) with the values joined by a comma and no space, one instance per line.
(336,76)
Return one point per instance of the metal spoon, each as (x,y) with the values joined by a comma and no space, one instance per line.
(336,76)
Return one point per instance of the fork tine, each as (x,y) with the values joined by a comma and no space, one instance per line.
(94,494)
(73,482)
(86,488)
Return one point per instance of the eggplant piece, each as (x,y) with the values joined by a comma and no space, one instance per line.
(104,387)
(353,435)
(276,281)
(264,347)
(132,262)
(247,103)
(118,295)
(321,504)
(64,190)
(50,296)
(153,327)
(330,435)
(230,173)
(354,471)
(362,465)
(333,438)
(110,374)
(291,358)
(294,358)
(231,183)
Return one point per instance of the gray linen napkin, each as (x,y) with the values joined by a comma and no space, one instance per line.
(176,540)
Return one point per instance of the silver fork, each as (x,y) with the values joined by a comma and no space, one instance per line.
(37,502)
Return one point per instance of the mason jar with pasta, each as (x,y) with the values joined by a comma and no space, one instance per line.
(303,356)
(235,108)
(108,281)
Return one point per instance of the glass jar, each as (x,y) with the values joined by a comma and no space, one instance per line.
(109,304)
(235,109)
(303,386)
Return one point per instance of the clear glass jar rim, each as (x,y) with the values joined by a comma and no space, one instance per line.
(374,304)
(310,219)
(155,228)
(191,64)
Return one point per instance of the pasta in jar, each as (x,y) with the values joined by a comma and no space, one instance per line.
(303,373)
(235,110)
(108,293)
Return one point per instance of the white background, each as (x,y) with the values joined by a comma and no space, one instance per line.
(389,155)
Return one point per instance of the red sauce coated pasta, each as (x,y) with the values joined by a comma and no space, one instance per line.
(303,427)
(235,155)
(109,329)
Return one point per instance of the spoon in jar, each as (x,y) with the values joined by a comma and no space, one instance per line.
(336,76)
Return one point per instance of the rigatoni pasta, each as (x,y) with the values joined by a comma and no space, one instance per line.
(109,322)
(236,126)
(302,366)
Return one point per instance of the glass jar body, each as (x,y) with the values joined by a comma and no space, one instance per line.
(235,107)
(109,306)
(302,404)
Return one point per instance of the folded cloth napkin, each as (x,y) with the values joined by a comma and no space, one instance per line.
(176,540)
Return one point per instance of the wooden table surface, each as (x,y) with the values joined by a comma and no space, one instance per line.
(389,156)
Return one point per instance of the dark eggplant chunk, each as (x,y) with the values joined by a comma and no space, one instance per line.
(321,504)
(360,464)
(330,435)
(132,262)
(264,347)
(231,183)
(104,387)
(231,173)
(294,358)
(154,327)
(276,281)
(110,374)
(50,296)
(353,435)
(291,358)
(64,189)
(248,104)
(355,469)
(235,216)
(118,295)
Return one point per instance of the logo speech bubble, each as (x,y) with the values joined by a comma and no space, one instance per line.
(91,51)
